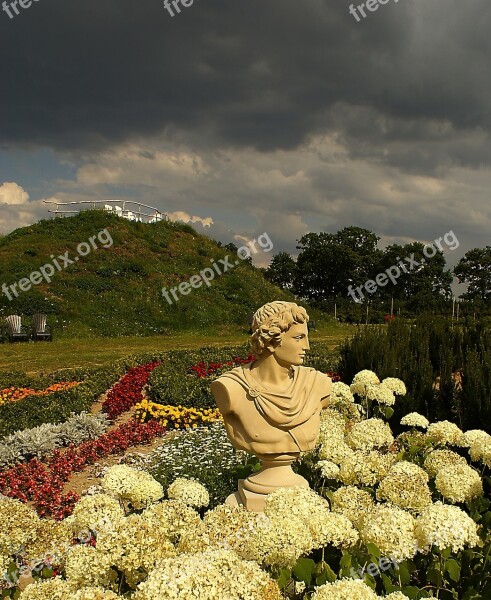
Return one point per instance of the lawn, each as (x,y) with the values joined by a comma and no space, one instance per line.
(34,358)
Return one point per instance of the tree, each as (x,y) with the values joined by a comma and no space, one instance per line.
(282,270)
(328,264)
(475,269)
(416,277)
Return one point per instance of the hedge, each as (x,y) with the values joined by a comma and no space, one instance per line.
(446,367)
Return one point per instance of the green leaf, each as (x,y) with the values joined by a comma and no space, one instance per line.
(324,571)
(345,562)
(388,412)
(413,450)
(411,592)
(284,578)
(388,585)
(486,520)
(452,567)
(47,573)
(330,574)
(304,569)
(374,550)
(434,576)
(403,573)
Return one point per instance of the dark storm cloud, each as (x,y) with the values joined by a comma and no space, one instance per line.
(88,74)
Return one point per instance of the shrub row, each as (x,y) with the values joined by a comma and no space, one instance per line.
(446,368)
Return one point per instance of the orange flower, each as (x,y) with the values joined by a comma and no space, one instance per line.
(15,394)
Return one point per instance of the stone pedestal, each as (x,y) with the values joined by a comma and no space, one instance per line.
(276,472)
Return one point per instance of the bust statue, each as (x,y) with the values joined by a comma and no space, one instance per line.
(271,407)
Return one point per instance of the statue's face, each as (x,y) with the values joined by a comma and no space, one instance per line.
(295,344)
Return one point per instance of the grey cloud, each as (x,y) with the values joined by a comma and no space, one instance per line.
(224,73)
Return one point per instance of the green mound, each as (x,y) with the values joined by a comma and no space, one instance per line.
(117,290)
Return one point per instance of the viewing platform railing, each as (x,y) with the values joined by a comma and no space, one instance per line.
(128,209)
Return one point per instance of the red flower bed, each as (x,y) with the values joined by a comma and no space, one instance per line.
(42,484)
(128,392)
(203,369)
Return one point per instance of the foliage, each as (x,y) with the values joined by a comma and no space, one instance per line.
(58,407)
(420,285)
(282,271)
(177,383)
(474,268)
(40,441)
(329,263)
(428,571)
(447,368)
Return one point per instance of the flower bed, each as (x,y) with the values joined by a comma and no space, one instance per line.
(340,541)
(13,394)
(59,406)
(39,442)
(204,453)
(388,516)
(395,517)
(42,483)
(175,417)
(128,392)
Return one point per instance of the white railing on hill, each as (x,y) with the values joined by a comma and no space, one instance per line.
(122,208)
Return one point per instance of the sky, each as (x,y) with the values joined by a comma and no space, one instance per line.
(253,116)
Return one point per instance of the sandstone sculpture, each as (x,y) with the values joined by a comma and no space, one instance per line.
(271,407)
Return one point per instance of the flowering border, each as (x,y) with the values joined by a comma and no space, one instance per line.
(42,483)
(128,391)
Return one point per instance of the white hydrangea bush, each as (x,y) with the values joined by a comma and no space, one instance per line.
(134,485)
(377,500)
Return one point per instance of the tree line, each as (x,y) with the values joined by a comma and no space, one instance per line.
(330,267)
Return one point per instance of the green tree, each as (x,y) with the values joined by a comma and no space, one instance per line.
(420,280)
(329,263)
(475,270)
(282,270)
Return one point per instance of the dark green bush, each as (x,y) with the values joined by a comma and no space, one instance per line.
(446,367)
(173,384)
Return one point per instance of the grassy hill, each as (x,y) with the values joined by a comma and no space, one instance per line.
(117,291)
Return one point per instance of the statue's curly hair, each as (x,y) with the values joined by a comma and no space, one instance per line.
(271,321)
